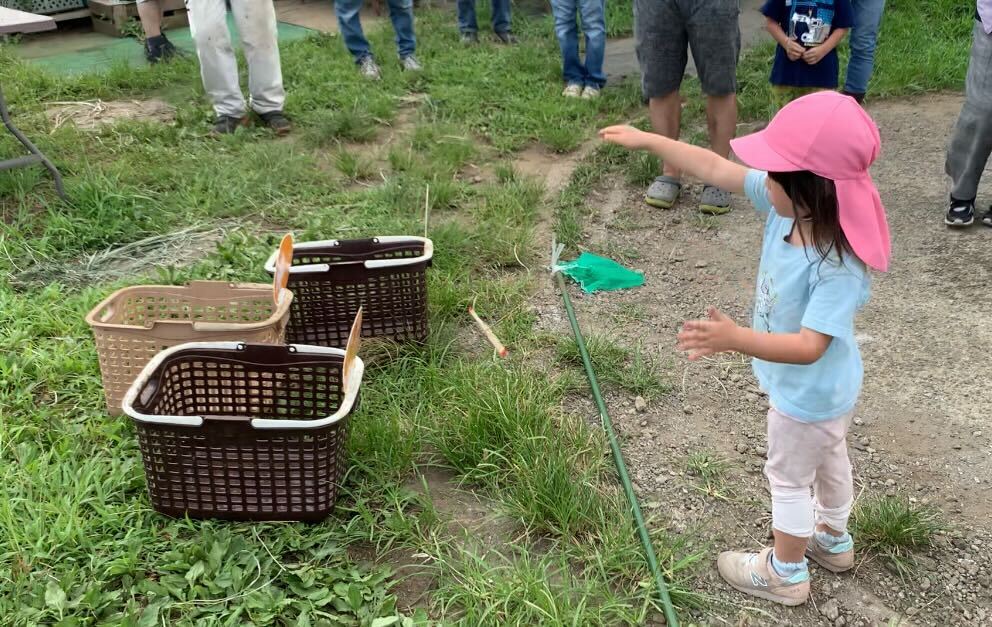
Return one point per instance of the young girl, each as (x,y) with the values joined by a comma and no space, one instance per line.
(808,33)
(825,227)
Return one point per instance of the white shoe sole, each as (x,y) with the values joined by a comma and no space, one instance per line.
(958,223)
(768,596)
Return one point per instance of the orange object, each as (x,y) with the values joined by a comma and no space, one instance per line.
(500,349)
(284,259)
(351,349)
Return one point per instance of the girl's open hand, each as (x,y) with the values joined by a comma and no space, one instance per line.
(626,136)
(705,337)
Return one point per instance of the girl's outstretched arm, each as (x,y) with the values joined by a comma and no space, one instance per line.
(701,163)
(720,334)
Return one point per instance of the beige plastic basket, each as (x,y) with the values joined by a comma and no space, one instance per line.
(134,324)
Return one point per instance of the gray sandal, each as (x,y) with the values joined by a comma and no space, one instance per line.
(663,192)
(714,201)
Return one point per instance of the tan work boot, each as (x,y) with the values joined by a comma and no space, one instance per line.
(837,559)
(752,573)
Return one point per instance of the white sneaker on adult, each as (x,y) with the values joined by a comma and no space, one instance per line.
(590,93)
(572,91)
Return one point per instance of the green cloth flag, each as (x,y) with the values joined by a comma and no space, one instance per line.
(599,274)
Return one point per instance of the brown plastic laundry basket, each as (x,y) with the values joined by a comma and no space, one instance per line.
(134,324)
(244,431)
(330,280)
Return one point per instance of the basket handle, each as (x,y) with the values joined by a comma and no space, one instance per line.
(405,261)
(350,396)
(107,313)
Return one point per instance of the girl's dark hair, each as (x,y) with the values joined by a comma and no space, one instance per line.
(815,201)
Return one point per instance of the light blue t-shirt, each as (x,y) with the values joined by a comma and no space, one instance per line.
(796,289)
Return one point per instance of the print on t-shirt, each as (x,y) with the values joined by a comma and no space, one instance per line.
(765,303)
(810,20)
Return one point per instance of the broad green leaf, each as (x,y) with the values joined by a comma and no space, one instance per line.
(55,596)
(386,621)
(149,616)
(194,573)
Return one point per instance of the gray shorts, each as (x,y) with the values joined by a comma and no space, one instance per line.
(664,28)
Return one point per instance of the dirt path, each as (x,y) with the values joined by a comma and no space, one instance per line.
(922,429)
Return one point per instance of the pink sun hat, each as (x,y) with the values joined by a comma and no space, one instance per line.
(831,136)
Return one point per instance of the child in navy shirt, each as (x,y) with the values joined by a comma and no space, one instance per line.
(808,33)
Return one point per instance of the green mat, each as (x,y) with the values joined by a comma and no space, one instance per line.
(94,52)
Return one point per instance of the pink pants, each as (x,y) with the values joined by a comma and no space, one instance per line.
(805,457)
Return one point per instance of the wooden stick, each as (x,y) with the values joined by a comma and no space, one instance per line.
(500,349)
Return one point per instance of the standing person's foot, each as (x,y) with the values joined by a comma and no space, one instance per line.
(159,48)
(507,38)
(469,38)
(987,217)
(411,64)
(960,214)
(227,124)
(277,121)
(752,573)
(590,93)
(369,69)
(663,192)
(860,98)
(572,91)
(714,201)
(838,557)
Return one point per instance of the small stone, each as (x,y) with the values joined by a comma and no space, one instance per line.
(830,609)
(977,434)
(840,622)
(741,447)
(687,411)
(870,450)
(644,423)
(760,451)
(890,482)
(701,264)
(640,405)
(859,421)
(925,584)
(751,397)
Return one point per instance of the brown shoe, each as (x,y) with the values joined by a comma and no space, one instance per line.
(837,559)
(752,573)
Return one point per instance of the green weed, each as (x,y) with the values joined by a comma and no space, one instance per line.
(894,528)
(629,369)
(711,471)
(354,166)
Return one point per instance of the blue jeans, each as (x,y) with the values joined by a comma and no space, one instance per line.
(350,23)
(593,16)
(468,24)
(867,18)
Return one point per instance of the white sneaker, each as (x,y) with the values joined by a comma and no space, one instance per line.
(590,93)
(410,64)
(572,91)
(369,69)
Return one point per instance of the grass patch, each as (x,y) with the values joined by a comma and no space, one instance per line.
(894,528)
(328,127)
(626,313)
(630,369)
(711,472)
(353,165)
